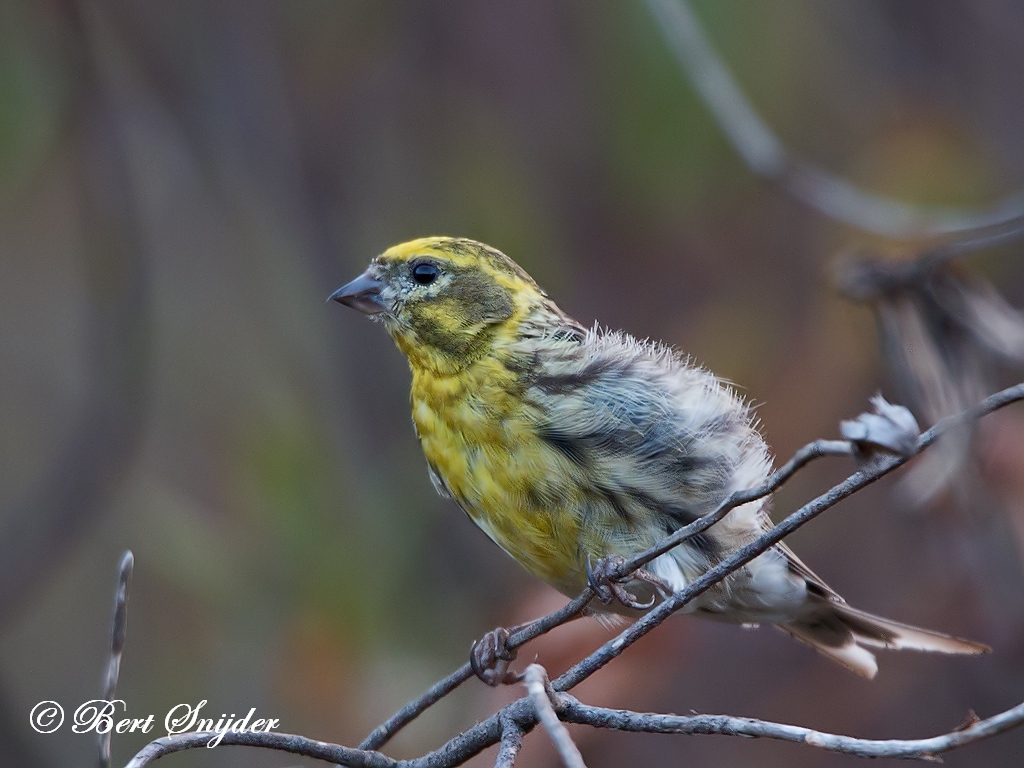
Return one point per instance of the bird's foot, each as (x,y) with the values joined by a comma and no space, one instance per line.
(490,657)
(603,578)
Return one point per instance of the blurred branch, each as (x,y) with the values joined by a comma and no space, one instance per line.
(942,330)
(937,324)
(91,459)
(511,723)
(865,278)
(765,155)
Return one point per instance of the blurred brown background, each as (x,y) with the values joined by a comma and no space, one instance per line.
(181,186)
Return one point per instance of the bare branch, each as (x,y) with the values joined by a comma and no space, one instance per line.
(507,726)
(573,711)
(383,733)
(802,458)
(117,635)
(766,156)
(511,740)
(539,688)
(282,742)
(866,277)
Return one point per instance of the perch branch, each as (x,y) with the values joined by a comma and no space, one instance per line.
(802,458)
(524,713)
(571,610)
(442,688)
(383,733)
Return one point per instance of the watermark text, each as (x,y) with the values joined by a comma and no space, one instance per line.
(111,716)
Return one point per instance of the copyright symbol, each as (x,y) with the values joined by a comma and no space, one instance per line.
(46,717)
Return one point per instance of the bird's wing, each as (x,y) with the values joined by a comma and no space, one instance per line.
(641,431)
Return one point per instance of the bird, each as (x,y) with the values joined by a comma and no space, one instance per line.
(572,446)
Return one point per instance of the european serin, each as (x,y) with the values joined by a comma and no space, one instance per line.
(567,445)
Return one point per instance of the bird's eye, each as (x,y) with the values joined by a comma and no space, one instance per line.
(425,272)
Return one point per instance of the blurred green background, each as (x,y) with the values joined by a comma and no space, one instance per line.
(181,186)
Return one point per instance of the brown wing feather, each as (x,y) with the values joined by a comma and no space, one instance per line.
(797,566)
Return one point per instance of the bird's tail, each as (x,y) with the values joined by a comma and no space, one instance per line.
(838,631)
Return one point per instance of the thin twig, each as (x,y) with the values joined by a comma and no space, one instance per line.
(572,710)
(511,741)
(384,732)
(539,688)
(866,278)
(119,626)
(282,742)
(766,156)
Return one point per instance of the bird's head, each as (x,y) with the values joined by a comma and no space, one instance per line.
(444,300)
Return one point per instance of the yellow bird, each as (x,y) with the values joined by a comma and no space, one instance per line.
(568,445)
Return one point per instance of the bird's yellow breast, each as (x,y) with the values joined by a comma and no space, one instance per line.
(480,437)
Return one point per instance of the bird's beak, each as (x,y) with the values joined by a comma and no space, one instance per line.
(363,294)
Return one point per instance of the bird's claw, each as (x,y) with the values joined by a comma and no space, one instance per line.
(603,578)
(490,657)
